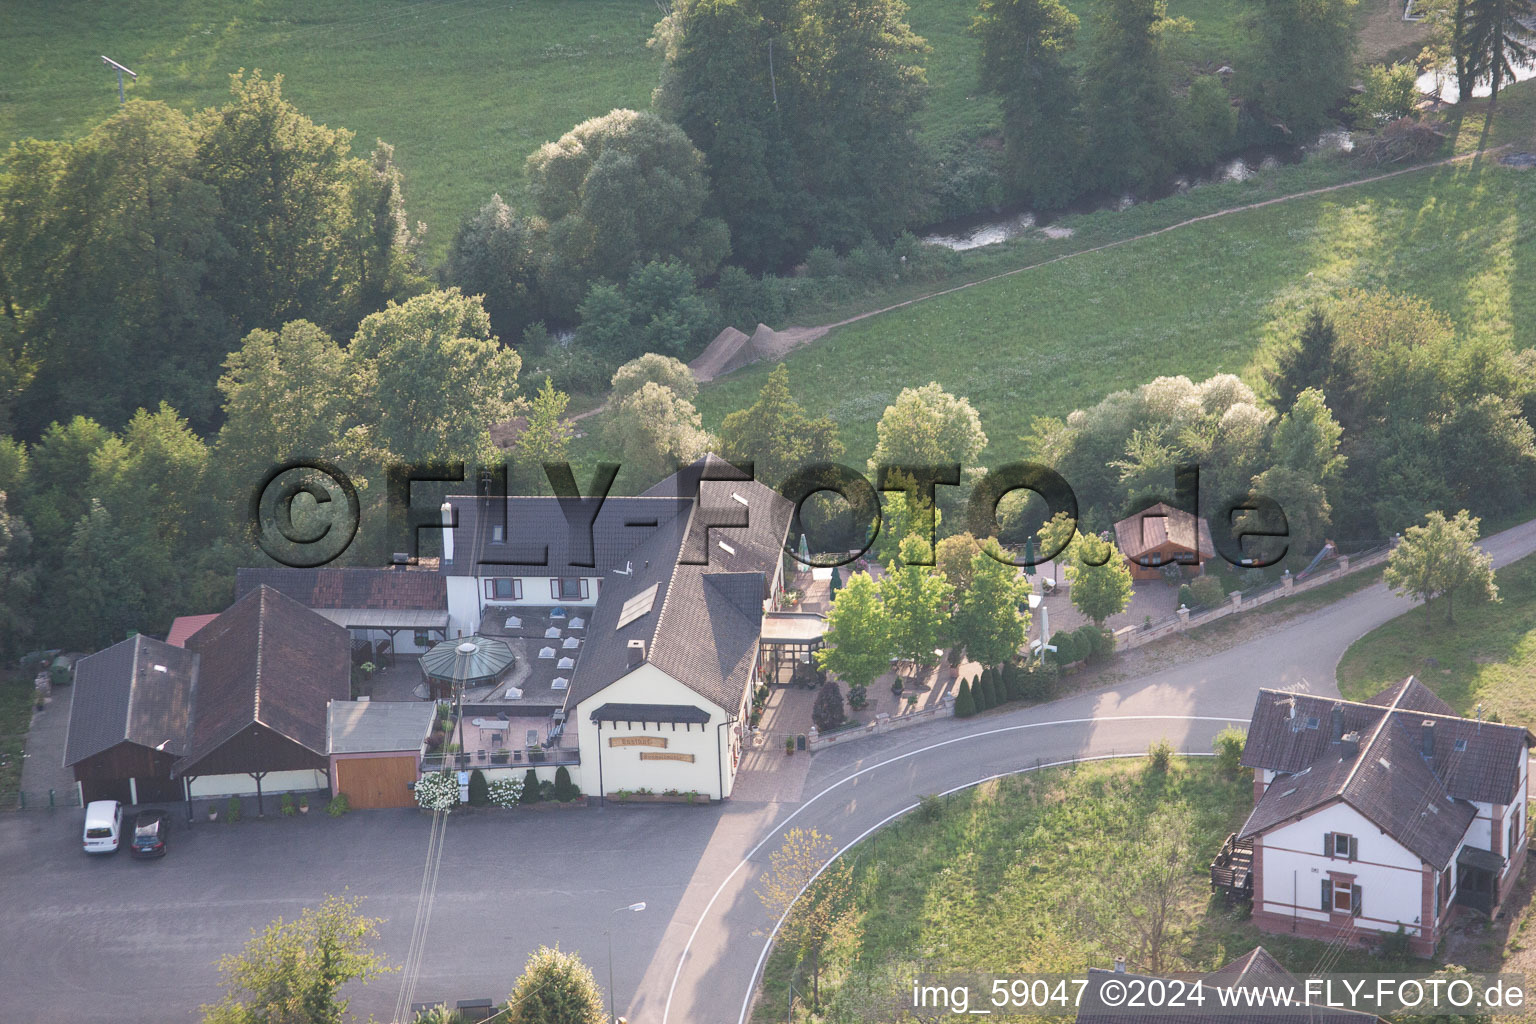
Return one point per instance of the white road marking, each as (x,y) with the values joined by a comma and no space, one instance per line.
(688,946)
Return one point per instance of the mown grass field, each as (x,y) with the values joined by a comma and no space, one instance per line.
(992,880)
(464,89)
(1202,299)
(1486,656)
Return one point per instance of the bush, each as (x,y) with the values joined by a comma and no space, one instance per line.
(479,796)
(1068,648)
(1159,757)
(870,265)
(1186,596)
(232,809)
(823,264)
(338,806)
(505,792)
(1229,750)
(1208,592)
(547,791)
(438,791)
(286,806)
(530,787)
(965,704)
(565,789)
(1039,682)
(827,713)
(1094,643)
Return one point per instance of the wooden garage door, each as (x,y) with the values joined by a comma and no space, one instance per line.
(377,781)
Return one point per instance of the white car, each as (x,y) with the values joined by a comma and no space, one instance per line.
(103,826)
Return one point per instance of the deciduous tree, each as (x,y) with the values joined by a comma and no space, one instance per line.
(988,620)
(293,971)
(776,435)
(431,379)
(1101,581)
(813,901)
(1440,559)
(917,600)
(555,988)
(858,635)
(1025,47)
(652,432)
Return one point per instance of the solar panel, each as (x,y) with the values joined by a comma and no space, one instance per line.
(638,606)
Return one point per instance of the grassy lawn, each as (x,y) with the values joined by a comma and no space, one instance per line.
(1488,656)
(1200,300)
(464,89)
(991,879)
(15,719)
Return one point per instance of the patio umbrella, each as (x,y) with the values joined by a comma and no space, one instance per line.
(1029,556)
(805,551)
(469,661)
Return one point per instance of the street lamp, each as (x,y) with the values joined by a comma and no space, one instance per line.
(633,908)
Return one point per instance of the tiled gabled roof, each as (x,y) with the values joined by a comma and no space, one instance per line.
(269,660)
(1152,528)
(1409,769)
(138,690)
(1486,768)
(384,589)
(712,570)
(537,539)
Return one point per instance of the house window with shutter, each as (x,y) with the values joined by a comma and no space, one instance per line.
(505,588)
(572,588)
(1341,898)
(1342,845)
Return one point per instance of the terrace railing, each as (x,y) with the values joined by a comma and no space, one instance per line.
(500,757)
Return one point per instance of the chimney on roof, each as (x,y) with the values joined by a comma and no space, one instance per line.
(1349,744)
(1337,719)
(402,560)
(636,650)
(1427,740)
(1119,965)
(447,533)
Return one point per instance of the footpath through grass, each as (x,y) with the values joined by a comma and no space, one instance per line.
(1014,875)
(1199,300)
(1486,656)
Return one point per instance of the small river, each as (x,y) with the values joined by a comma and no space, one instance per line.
(1009,222)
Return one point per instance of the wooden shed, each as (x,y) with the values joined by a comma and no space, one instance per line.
(1163,535)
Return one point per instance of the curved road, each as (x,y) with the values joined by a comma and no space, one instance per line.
(705,967)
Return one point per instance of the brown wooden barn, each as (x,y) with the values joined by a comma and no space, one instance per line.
(241,710)
(128,721)
(268,669)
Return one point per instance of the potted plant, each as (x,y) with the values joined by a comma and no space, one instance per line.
(303,805)
(789,744)
(213,812)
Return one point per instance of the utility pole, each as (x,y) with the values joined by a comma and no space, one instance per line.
(121,71)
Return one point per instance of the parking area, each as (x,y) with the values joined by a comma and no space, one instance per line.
(85,925)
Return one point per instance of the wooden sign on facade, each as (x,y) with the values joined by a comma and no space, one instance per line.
(669,756)
(637,741)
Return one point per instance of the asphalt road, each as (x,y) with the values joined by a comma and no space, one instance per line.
(110,939)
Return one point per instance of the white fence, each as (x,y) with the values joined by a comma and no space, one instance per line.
(1240,601)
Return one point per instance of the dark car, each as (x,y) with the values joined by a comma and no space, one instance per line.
(149,831)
